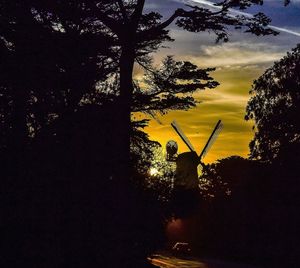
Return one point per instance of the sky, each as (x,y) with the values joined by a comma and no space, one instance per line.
(238,63)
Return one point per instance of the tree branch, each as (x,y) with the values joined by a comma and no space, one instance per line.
(108,22)
(178,13)
(183,14)
(145,67)
(137,12)
(123,10)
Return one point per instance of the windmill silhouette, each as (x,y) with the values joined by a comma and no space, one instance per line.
(187,162)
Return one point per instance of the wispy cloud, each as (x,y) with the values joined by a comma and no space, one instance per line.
(237,12)
(233,54)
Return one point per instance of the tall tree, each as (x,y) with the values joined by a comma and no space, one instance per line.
(275,106)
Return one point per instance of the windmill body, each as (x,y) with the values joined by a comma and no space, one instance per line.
(186,171)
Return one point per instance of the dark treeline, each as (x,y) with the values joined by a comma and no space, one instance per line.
(250,207)
(257,220)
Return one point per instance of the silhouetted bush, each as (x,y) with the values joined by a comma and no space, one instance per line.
(258,223)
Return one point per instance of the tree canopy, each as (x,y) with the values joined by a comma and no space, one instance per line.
(275,106)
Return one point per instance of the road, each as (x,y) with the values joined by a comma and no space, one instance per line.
(174,262)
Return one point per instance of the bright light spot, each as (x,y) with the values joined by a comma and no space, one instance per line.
(153,171)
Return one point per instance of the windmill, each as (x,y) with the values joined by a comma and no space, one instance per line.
(187,163)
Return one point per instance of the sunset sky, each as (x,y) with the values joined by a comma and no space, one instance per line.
(238,62)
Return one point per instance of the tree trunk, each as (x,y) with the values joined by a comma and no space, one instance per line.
(124,108)
(128,42)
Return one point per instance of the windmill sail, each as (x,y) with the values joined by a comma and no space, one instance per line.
(175,125)
(211,139)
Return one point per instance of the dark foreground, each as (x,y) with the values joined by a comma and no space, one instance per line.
(176,262)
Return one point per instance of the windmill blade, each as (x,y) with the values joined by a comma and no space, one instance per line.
(210,144)
(176,127)
(212,138)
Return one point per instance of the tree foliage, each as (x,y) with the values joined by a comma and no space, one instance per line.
(275,106)
(222,179)
(263,198)
(170,87)
(51,55)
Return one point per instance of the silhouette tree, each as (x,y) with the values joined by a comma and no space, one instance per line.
(245,203)
(51,55)
(274,106)
(170,87)
(222,179)
(60,206)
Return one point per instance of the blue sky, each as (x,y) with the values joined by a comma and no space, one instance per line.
(244,58)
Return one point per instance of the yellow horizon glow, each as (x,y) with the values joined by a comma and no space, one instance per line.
(227,102)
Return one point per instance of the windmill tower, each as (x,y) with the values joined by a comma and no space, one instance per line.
(187,163)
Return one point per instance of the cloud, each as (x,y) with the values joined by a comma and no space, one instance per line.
(231,55)
(235,12)
(249,51)
(240,54)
